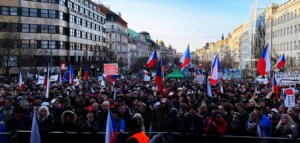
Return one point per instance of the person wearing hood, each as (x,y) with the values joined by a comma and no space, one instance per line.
(68,122)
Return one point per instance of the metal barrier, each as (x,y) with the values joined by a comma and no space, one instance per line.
(22,136)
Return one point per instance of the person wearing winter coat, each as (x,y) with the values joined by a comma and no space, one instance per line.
(286,128)
(254,129)
(217,125)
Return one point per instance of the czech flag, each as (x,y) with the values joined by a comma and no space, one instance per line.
(159,78)
(186,58)
(214,70)
(275,86)
(145,72)
(264,63)
(152,59)
(111,129)
(21,83)
(281,62)
(85,74)
(35,133)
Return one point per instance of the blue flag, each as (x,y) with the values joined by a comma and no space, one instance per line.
(208,89)
(35,133)
(69,75)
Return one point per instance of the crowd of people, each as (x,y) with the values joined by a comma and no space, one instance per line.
(243,108)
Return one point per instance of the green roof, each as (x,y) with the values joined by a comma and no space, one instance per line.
(133,33)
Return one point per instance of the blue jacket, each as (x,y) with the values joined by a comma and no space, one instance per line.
(266,125)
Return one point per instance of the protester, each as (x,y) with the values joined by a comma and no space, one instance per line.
(286,128)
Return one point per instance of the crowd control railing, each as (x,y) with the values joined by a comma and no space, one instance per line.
(22,136)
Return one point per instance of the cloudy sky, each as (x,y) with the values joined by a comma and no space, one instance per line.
(183,22)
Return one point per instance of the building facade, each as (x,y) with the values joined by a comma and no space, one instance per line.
(52,30)
(283,31)
(117,36)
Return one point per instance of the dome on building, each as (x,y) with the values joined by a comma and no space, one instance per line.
(160,43)
(170,47)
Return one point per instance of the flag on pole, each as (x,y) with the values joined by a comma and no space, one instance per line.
(21,83)
(280,62)
(258,131)
(214,70)
(115,95)
(159,79)
(221,89)
(47,81)
(152,59)
(275,86)
(80,74)
(59,75)
(186,58)
(145,72)
(208,88)
(85,73)
(69,75)
(111,129)
(264,62)
(35,133)
(197,72)
(37,78)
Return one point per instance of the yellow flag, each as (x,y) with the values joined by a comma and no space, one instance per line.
(80,74)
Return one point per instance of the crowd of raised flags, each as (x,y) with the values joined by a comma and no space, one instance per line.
(69,76)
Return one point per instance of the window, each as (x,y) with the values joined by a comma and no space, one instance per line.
(63,45)
(52,29)
(88,25)
(25,11)
(5,10)
(63,2)
(81,10)
(78,21)
(78,33)
(89,36)
(72,46)
(61,15)
(93,26)
(52,14)
(44,29)
(44,44)
(33,44)
(25,28)
(52,1)
(295,29)
(69,4)
(52,44)
(83,35)
(13,27)
(14,11)
(44,13)
(33,28)
(83,22)
(86,12)
(44,0)
(78,46)
(25,43)
(72,32)
(33,12)
(287,31)
(72,18)
(75,7)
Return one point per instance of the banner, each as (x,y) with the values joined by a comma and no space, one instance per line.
(146,78)
(41,78)
(287,78)
(232,73)
(111,69)
(289,97)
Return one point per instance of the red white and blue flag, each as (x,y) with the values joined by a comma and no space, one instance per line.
(159,79)
(21,83)
(215,70)
(145,72)
(264,62)
(35,133)
(111,129)
(186,58)
(280,62)
(197,72)
(275,88)
(152,59)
